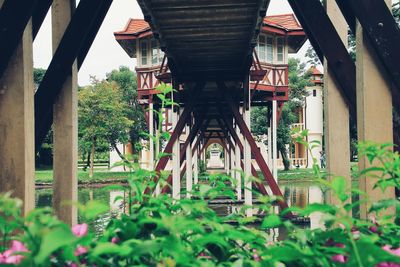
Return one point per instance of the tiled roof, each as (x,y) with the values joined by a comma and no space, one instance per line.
(135,26)
(286,21)
(315,71)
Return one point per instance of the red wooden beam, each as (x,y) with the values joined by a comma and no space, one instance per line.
(254,148)
(259,185)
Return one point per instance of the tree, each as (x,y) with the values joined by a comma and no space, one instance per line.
(126,80)
(103,118)
(299,78)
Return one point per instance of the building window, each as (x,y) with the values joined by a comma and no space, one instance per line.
(265,49)
(280,49)
(261,48)
(314,93)
(154,52)
(143,52)
(270,49)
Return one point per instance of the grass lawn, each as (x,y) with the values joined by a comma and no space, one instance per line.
(297,174)
(46,176)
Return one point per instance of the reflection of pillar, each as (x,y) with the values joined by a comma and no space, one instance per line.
(17,149)
(238,167)
(374,112)
(189,167)
(248,194)
(176,179)
(65,126)
(274,138)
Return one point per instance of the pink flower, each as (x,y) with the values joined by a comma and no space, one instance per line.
(80,250)
(395,252)
(339,258)
(8,256)
(115,240)
(80,230)
(389,249)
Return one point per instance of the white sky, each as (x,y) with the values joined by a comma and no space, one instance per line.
(105,53)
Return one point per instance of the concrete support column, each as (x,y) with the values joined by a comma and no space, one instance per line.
(238,167)
(65,126)
(248,193)
(17,139)
(374,111)
(274,139)
(189,167)
(176,164)
(337,137)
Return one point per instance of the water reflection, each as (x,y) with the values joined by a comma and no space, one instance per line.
(295,194)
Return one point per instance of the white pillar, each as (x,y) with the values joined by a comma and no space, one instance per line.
(269,146)
(238,167)
(151,140)
(274,144)
(248,193)
(65,126)
(189,167)
(232,164)
(176,168)
(157,151)
(195,166)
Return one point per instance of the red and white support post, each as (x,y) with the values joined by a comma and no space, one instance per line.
(189,167)
(274,143)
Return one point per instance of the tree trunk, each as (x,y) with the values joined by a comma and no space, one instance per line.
(87,161)
(91,170)
(120,154)
(285,160)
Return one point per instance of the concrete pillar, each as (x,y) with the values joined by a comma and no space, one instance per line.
(274,139)
(189,167)
(337,137)
(176,166)
(65,126)
(17,140)
(248,193)
(374,111)
(238,167)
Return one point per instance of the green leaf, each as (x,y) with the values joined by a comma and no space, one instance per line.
(271,221)
(110,248)
(57,238)
(339,187)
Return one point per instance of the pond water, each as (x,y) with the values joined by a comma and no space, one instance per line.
(298,194)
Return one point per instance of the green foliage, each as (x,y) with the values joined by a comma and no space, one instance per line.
(103,117)
(161,231)
(127,84)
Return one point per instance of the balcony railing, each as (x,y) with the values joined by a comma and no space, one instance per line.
(299,126)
